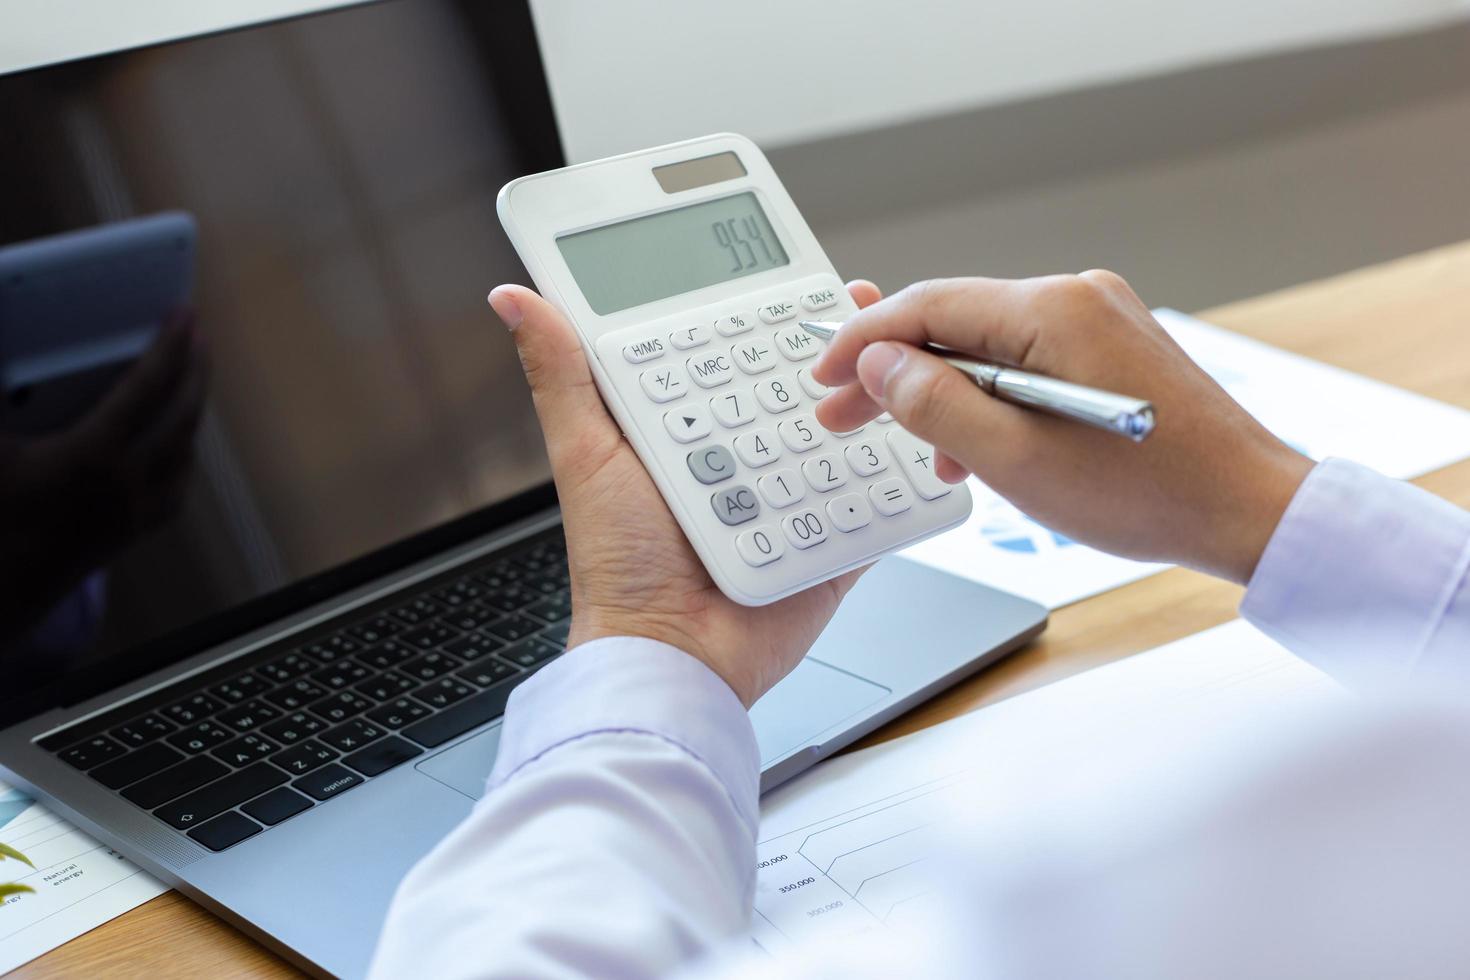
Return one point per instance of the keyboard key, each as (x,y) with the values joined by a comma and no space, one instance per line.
(849,512)
(192,709)
(399,712)
(824,473)
(375,630)
(805,528)
(277,805)
(889,497)
(916,459)
(341,706)
(710,370)
(382,756)
(443,692)
(295,727)
(93,751)
(757,447)
(508,599)
(342,675)
(781,488)
(136,765)
(141,731)
(217,797)
(471,616)
(387,655)
(777,395)
(530,653)
(239,689)
(686,338)
(474,646)
(760,546)
(385,687)
(248,717)
(513,628)
(430,666)
(483,674)
(428,637)
(175,781)
(801,433)
(226,831)
(288,668)
(332,648)
(328,782)
(459,718)
(688,422)
(557,634)
(352,735)
(733,408)
(465,590)
(867,457)
(552,609)
(663,384)
(417,610)
(297,694)
(302,758)
(245,750)
(754,357)
(197,738)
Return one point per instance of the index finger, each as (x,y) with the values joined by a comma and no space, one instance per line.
(980,316)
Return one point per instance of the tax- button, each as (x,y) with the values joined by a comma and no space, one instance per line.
(643,350)
(710,371)
(662,384)
(711,464)
(776,312)
(796,344)
(735,505)
(818,299)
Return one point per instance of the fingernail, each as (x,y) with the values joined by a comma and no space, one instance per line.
(877,365)
(506,308)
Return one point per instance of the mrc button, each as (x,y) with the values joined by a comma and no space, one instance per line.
(735,505)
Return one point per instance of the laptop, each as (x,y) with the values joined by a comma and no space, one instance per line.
(288,687)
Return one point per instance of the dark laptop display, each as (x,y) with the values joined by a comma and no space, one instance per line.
(362,406)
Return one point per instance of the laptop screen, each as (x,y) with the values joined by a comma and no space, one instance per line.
(341,170)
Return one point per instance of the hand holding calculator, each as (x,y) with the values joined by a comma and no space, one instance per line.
(685,269)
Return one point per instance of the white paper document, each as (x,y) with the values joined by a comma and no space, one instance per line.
(79,883)
(1321,410)
(852,845)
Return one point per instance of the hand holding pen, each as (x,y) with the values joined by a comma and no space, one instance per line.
(1205,489)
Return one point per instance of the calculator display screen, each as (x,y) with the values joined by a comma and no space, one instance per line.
(677,251)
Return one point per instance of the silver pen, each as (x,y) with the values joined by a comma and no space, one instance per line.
(1131,417)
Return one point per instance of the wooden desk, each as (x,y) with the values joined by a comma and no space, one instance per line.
(1406,322)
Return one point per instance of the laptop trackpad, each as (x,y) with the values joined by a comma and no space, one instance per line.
(812,699)
(466,766)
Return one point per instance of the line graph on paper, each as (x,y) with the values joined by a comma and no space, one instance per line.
(853,872)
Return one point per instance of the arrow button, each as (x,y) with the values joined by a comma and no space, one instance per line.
(688,422)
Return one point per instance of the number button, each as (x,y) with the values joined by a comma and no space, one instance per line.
(757,448)
(813,388)
(867,457)
(805,528)
(781,488)
(735,505)
(662,384)
(689,337)
(776,312)
(777,395)
(688,423)
(818,299)
(754,357)
(889,497)
(917,460)
(760,546)
(730,326)
(849,512)
(733,409)
(710,371)
(711,464)
(643,350)
(824,472)
(796,344)
(801,433)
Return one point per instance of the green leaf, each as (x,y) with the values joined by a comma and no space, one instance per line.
(6,851)
(7,890)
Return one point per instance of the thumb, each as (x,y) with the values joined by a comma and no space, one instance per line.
(935,401)
(573,418)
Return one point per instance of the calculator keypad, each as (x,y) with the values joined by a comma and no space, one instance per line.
(729,396)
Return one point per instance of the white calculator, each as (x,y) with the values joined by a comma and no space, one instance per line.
(685,269)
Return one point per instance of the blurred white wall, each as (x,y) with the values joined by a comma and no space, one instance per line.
(633,73)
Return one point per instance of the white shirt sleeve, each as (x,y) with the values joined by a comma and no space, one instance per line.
(617,838)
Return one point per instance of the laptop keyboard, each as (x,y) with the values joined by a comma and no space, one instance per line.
(299,723)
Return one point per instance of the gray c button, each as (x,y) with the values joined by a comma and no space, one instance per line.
(711,464)
(735,505)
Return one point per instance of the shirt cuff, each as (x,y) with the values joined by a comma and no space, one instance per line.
(1360,574)
(632,684)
